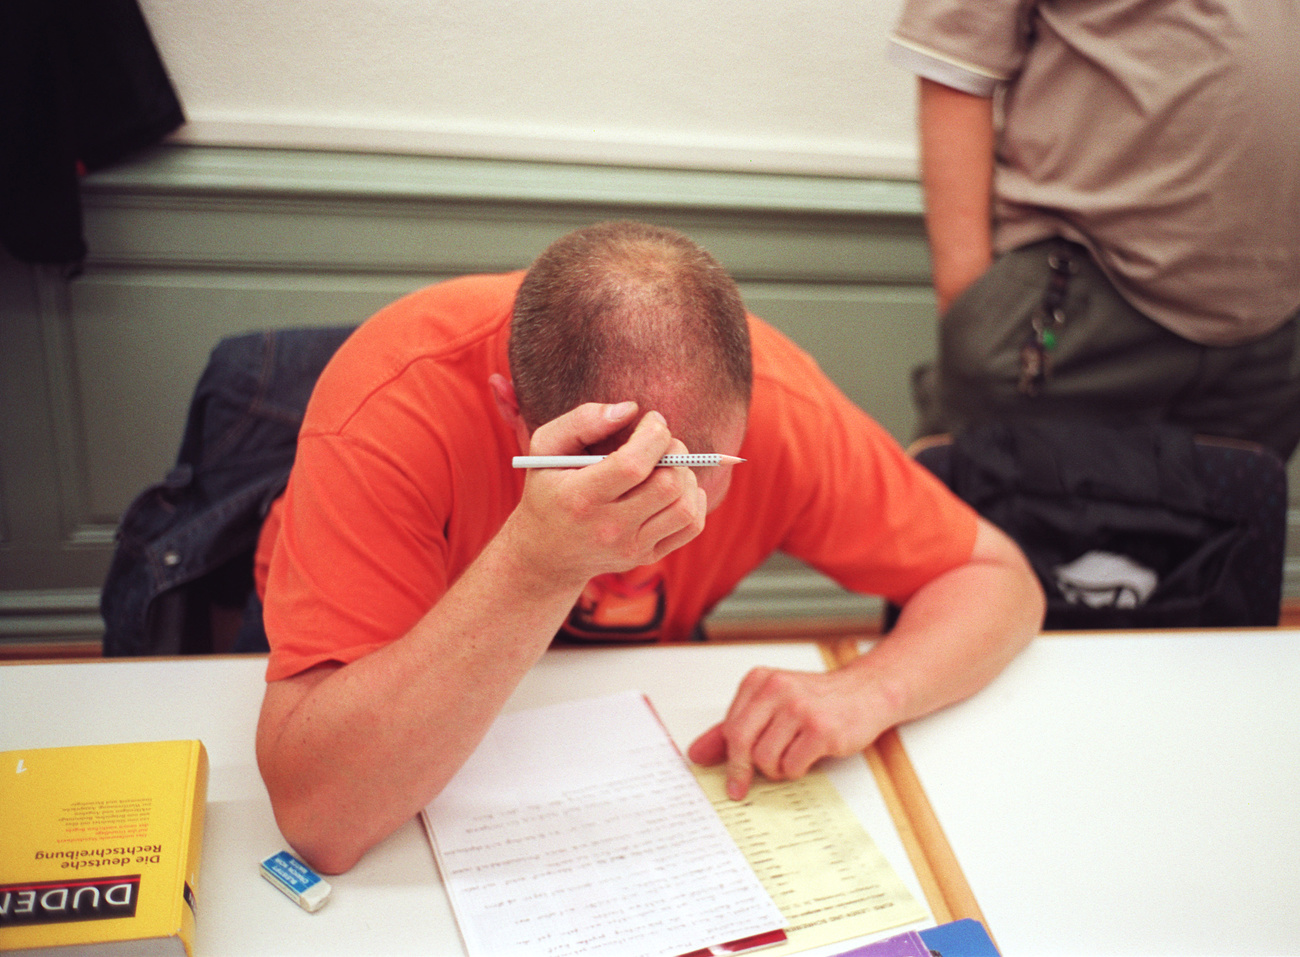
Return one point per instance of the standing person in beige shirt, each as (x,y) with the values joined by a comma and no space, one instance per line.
(1113,207)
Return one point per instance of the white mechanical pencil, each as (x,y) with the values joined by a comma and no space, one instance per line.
(700,460)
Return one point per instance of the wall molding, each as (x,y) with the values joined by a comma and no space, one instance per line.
(79,527)
(184,172)
(50,614)
(819,156)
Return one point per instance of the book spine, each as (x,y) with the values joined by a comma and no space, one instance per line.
(192,844)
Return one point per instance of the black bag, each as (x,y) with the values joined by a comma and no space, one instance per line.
(1195,526)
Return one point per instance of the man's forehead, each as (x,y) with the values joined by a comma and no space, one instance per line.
(721,431)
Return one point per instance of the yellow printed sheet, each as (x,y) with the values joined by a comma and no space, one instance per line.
(814,858)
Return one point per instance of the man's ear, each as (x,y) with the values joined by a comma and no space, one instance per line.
(503,393)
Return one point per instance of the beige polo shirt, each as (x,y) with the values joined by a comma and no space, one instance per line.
(1163,136)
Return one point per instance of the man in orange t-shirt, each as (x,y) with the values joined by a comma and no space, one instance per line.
(410,576)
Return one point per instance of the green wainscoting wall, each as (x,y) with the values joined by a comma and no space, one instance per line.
(191,244)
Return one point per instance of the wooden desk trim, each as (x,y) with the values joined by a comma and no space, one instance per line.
(937,869)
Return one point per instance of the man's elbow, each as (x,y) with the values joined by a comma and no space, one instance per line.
(1017,584)
(323,857)
(1029,603)
(318,837)
(1033,608)
(1039,601)
(331,824)
(319,830)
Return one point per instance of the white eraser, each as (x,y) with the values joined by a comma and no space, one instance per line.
(299,882)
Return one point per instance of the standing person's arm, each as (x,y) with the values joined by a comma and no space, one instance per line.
(957,144)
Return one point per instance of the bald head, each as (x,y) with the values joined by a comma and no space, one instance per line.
(630,311)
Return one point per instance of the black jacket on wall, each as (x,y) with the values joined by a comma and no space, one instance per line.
(81,87)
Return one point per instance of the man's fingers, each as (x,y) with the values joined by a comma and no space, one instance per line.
(747,719)
(633,463)
(769,728)
(710,748)
(801,754)
(781,723)
(716,746)
(740,775)
(749,688)
(636,459)
(579,429)
(674,526)
(769,751)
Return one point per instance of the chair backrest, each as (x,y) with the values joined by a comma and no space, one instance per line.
(181,578)
(1129,527)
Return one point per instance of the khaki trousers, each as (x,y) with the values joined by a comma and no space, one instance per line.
(1109,360)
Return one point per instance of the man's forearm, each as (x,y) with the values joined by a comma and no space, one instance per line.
(957,144)
(350,753)
(958,632)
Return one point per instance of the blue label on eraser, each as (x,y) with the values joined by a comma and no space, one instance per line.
(295,875)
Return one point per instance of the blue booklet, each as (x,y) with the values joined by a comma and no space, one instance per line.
(961,938)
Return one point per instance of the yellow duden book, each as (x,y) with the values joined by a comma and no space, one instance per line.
(100,848)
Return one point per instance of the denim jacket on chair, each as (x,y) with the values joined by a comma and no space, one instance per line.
(186,544)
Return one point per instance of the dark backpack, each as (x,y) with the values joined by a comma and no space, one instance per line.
(1201,520)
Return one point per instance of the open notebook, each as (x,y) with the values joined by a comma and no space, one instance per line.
(578,829)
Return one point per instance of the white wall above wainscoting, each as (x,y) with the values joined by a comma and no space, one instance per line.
(797,86)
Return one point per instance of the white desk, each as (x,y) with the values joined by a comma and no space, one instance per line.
(1128,794)
(392,902)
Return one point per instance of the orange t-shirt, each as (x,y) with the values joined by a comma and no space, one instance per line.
(403,475)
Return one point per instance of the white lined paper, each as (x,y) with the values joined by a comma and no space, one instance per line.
(578,829)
